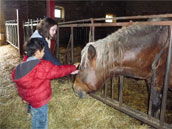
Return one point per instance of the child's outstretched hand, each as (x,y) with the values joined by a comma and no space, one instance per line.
(76,71)
(76,64)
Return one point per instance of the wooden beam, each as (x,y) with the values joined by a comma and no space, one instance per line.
(20,33)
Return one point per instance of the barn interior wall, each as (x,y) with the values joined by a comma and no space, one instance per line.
(88,9)
(29,9)
(148,7)
(76,10)
(95,9)
(11,6)
(37,9)
(2,24)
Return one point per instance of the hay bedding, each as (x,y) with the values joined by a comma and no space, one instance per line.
(66,111)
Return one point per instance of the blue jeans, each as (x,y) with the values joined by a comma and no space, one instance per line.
(39,117)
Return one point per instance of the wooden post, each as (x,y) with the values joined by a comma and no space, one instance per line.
(2,24)
(50,8)
(57,53)
(50,13)
(20,33)
(72,45)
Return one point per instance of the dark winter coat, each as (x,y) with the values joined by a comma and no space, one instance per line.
(48,55)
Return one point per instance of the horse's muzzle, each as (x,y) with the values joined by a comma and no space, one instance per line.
(79,93)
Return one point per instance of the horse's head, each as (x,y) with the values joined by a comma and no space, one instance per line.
(88,78)
(115,54)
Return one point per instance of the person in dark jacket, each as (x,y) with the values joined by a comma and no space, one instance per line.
(46,30)
(33,81)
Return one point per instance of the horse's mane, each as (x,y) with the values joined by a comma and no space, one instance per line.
(112,48)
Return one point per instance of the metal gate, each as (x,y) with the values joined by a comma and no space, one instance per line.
(118,104)
(18,33)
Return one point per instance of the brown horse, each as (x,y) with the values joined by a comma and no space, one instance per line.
(130,51)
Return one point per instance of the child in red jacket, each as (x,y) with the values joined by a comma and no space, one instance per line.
(33,81)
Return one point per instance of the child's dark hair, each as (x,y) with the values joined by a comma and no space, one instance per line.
(44,26)
(33,45)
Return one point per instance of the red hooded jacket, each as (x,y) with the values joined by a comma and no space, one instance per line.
(33,80)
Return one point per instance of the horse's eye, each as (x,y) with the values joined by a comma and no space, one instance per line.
(80,68)
(83,67)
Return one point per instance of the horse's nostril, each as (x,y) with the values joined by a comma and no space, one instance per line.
(80,94)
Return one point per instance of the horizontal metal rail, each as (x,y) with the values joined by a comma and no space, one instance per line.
(28,25)
(119,18)
(11,24)
(162,23)
(131,112)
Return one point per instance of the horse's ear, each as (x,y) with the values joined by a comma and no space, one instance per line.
(91,52)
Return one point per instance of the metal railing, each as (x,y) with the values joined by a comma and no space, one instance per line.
(12,33)
(118,104)
(18,33)
(29,27)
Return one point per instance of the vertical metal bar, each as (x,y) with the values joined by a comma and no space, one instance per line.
(106,88)
(151,91)
(72,56)
(90,35)
(103,90)
(13,35)
(16,39)
(6,32)
(9,32)
(121,78)
(31,26)
(57,44)
(112,87)
(28,29)
(24,33)
(72,45)
(165,90)
(37,21)
(93,29)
